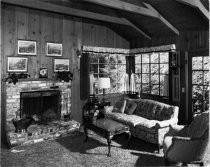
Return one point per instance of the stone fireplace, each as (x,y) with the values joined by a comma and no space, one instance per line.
(49,104)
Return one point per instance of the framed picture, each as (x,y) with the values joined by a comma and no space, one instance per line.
(61,65)
(17,64)
(26,47)
(54,49)
(43,73)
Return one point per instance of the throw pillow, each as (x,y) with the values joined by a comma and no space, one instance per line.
(120,106)
(108,109)
(130,107)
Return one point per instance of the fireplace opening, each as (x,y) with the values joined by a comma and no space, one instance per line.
(46,104)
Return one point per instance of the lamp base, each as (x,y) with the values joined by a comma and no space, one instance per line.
(103,99)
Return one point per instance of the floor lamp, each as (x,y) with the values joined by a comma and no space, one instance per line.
(104,83)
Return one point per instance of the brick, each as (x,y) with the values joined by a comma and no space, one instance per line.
(37,82)
(42,84)
(16,97)
(23,85)
(11,100)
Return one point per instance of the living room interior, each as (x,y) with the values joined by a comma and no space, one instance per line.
(104,83)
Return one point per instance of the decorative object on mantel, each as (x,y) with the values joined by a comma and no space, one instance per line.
(43,73)
(13,77)
(65,76)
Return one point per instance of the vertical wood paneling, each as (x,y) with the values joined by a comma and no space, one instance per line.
(33,34)
(67,41)
(23,23)
(9,32)
(86,34)
(77,43)
(46,36)
(57,29)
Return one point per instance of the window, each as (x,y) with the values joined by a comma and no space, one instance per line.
(108,65)
(152,70)
(200,84)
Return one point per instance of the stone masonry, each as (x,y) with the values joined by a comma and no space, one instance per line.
(38,133)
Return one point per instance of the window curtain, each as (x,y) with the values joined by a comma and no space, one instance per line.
(132,87)
(125,83)
(84,76)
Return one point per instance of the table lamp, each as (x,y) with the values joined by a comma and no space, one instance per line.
(104,83)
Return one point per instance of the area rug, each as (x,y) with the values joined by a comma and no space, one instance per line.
(72,151)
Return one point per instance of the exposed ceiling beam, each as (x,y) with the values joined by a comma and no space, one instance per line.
(197,4)
(121,5)
(74,12)
(128,7)
(65,10)
(166,22)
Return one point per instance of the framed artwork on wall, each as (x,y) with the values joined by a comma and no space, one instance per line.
(26,47)
(17,64)
(61,65)
(54,49)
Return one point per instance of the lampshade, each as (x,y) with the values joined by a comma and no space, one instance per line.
(104,83)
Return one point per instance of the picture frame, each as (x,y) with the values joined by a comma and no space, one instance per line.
(43,73)
(27,47)
(17,64)
(54,49)
(61,65)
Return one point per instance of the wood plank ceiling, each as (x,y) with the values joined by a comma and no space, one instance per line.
(133,18)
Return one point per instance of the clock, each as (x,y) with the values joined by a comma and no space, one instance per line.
(43,73)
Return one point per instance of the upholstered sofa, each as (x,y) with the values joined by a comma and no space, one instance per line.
(148,120)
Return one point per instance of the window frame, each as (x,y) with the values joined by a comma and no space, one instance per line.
(98,74)
(202,84)
(150,73)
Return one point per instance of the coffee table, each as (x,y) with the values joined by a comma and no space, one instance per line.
(107,128)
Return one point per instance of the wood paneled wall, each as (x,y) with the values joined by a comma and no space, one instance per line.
(41,26)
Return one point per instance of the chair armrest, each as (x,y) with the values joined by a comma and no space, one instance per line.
(165,123)
(182,149)
(177,130)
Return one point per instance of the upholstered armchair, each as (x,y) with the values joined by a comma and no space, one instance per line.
(187,144)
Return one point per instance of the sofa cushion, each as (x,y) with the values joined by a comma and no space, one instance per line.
(130,107)
(164,112)
(146,108)
(131,120)
(120,106)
